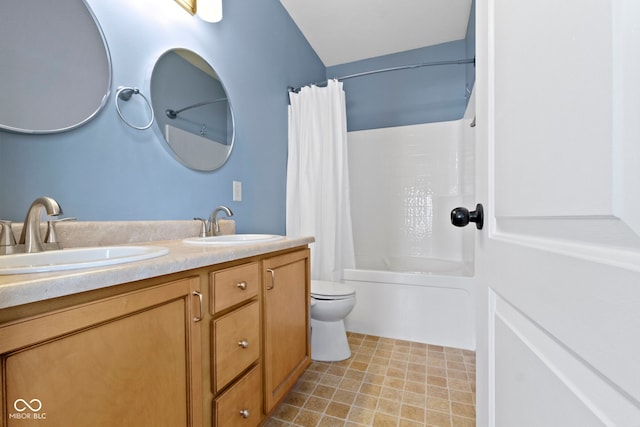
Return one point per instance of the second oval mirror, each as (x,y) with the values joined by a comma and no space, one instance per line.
(192,110)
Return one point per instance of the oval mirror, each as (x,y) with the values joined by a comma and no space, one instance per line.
(192,110)
(56,69)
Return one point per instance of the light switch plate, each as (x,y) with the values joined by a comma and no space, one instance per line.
(237,191)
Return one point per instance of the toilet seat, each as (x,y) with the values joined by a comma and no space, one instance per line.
(325,290)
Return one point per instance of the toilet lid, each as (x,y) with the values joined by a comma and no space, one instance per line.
(323,288)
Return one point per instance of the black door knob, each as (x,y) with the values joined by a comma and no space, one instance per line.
(461,216)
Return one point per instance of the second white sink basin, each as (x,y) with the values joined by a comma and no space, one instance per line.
(233,239)
(73,258)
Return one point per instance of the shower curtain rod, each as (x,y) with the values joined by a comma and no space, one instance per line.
(401,67)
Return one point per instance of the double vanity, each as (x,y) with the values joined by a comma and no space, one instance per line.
(211,332)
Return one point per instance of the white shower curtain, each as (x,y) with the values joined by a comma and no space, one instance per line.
(318,178)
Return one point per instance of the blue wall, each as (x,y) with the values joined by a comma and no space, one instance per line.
(413,96)
(108,171)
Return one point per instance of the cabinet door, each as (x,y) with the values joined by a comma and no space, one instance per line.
(130,360)
(286,323)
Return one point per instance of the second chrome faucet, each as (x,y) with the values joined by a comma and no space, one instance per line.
(211,227)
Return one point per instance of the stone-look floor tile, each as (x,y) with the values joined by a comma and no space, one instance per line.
(440,405)
(463,409)
(354,374)
(440,392)
(304,386)
(386,382)
(412,413)
(463,422)
(415,387)
(296,399)
(327,421)
(391,393)
(273,422)
(393,383)
(324,391)
(438,419)
(390,407)
(349,385)
(366,401)
(344,396)
(286,412)
(414,399)
(316,404)
(372,389)
(461,396)
(338,410)
(361,416)
(307,419)
(409,423)
(330,380)
(383,420)
(372,378)
(336,370)
(438,381)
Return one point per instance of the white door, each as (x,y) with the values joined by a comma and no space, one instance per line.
(558,129)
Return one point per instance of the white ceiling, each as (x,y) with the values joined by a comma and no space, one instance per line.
(342,31)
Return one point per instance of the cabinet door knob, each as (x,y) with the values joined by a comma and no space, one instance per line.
(243,343)
(241,285)
(245,413)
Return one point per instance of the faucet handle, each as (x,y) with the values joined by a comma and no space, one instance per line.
(203,227)
(51,236)
(6,234)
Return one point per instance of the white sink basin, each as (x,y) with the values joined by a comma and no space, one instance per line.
(73,258)
(233,239)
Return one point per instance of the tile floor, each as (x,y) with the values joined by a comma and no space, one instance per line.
(386,382)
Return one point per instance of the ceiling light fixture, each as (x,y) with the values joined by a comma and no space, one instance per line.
(210,10)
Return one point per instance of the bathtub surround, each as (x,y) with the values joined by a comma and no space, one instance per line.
(318,201)
(414,277)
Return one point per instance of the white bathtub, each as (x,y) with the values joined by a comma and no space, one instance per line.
(432,302)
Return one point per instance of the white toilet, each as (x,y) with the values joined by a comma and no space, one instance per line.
(331,302)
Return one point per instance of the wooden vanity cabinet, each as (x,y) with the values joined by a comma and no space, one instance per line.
(129,360)
(287,349)
(217,346)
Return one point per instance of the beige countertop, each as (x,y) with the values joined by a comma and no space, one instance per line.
(17,289)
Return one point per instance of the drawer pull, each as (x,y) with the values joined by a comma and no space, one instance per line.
(242,285)
(243,343)
(245,413)
(273,278)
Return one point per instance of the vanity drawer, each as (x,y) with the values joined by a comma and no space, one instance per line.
(234,285)
(241,405)
(236,343)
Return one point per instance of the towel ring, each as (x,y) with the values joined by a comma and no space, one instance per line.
(125,94)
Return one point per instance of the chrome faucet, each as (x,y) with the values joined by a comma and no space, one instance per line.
(214,227)
(30,236)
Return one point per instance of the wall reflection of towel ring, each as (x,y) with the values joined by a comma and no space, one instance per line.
(125,94)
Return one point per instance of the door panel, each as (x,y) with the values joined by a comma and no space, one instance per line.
(539,382)
(558,263)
